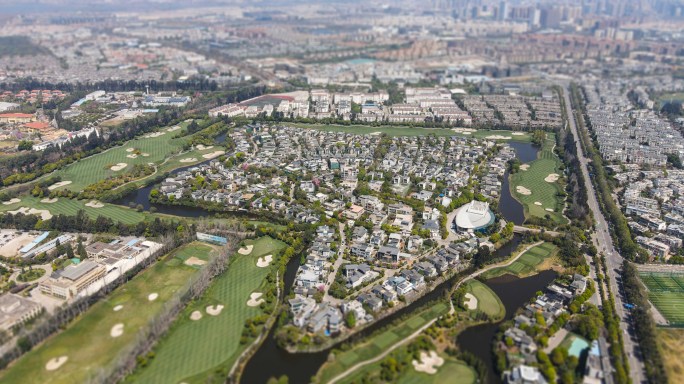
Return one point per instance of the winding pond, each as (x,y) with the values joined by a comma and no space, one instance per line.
(514,293)
(270,360)
(142,196)
(510,208)
(300,367)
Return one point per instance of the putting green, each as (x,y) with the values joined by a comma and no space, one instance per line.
(543,198)
(193,351)
(487,301)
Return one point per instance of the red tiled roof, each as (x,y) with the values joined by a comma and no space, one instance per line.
(39,125)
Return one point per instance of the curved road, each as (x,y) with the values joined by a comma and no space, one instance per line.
(613,259)
(46,267)
(429,323)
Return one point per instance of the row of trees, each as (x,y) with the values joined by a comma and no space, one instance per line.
(619,228)
(643,323)
(578,210)
(194,84)
(141,349)
(81,222)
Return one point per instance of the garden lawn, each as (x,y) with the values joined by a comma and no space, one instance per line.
(542,191)
(666,292)
(87,341)
(192,351)
(377,344)
(70,207)
(527,264)
(487,301)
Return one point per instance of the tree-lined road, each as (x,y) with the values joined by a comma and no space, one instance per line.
(605,245)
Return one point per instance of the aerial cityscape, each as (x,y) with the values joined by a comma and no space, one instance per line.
(342,192)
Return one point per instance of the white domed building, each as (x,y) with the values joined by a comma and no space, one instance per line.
(474,216)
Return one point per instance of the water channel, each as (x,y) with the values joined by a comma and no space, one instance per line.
(142,195)
(270,360)
(514,293)
(302,366)
(510,208)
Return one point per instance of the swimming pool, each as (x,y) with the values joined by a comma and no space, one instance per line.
(578,345)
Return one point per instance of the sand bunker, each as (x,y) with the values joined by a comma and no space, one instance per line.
(265,261)
(213,154)
(524,167)
(537,203)
(119,167)
(94,204)
(255,299)
(498,137)
(463,130)
(522,190)
(156,134)
(518,133)
(11,201)
(43,213)
(130,149)
(214,310)
(195,315)
(174,128)
(48,200)
(246,250)
(376,133)
(552,178)
(117,330)
(188,160)
(60,184)
(201,147)
(144,154)
(56,362)
(132,156)
(428,363)
(152,296)
(470,301)
(194,261)
(118,308)
(549,210)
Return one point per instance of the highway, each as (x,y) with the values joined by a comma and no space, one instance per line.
(613,259)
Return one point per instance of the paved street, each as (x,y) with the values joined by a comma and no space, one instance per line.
(336,265)
(605,245)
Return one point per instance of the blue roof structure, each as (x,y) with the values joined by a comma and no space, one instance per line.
(35,242)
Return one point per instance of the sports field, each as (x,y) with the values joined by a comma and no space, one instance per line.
(487,301)
(194,350)
(453,371)
(541,195)
(377,344)
(527,263)
(88,343)
(666,292)
(70,207)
